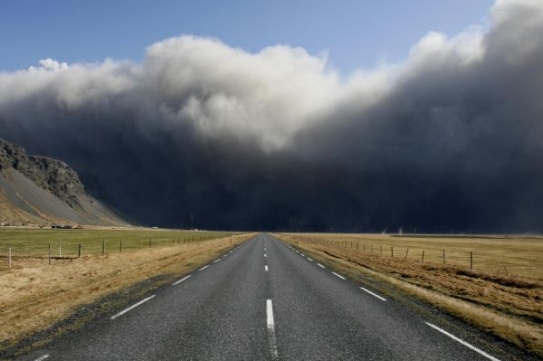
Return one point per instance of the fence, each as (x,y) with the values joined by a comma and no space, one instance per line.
(507,256)
(71,246)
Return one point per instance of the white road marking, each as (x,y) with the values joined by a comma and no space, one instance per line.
(481,352)
(225,256)
(271,328)
(203,268)
(320,265)
(217,260)
(269,314)
(41,358)
(303,255)
(309,259)
(266,268)
(181,280)
(131,307)
(265,255)
(338,275)
(373,294)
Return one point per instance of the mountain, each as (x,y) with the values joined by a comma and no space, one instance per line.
(37,190)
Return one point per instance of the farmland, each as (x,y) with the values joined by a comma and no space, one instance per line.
(68,243)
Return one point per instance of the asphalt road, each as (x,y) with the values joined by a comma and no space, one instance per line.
(264,301)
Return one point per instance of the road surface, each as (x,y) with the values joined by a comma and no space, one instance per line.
(266,301)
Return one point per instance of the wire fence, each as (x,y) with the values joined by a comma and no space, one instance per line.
(524,259)
(77,245)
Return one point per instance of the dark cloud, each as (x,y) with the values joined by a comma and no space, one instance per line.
(448,141)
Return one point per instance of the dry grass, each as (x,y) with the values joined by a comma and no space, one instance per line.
(506,305)
(34,295)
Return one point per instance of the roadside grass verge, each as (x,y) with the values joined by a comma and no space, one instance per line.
(34,296)
(507,306)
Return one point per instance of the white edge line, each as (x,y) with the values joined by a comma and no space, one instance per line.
(131,307)
(203,268)
(320,265)
(181,280)
(303,255)
(266,268)
(217,260)
(41,358)
(373,294)
(340,276)
(309,259)
(481,352)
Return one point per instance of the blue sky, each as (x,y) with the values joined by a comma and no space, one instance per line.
(356,33)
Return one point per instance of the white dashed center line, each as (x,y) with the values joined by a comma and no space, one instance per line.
(266,268)
(309,259)
(271,329)
(320,265)
(203,268)
(217,260)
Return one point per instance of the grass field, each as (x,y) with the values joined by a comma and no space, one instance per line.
(502,255)
(64,243)
(501,292)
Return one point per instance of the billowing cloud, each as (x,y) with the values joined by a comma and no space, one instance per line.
(448,140)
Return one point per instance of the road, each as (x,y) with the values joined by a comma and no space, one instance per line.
(264,301)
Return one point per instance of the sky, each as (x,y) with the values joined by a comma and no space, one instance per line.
(356,34)
(424,116)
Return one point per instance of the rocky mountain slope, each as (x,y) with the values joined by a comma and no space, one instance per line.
(41,190)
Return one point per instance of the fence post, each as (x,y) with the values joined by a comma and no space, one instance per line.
(150,240)
(422,258)
(406,252)
(381,250)
(121,246)
(443,255)
(80,250)
(60,247)
(471,260)
(9,258)
(392,252)
(103,247)
(49,254)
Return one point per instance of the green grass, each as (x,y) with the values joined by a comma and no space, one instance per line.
(65,242)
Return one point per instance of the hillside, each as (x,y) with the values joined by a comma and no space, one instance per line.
(37,190)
